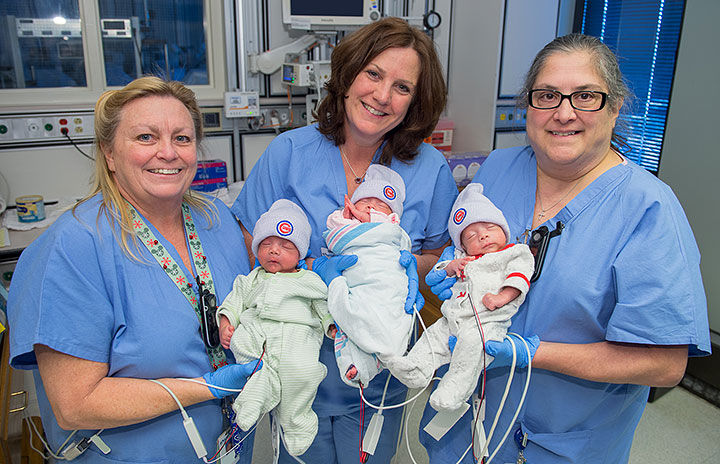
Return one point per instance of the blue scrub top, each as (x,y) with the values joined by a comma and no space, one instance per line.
(75,291)
(305,167)
(625,269)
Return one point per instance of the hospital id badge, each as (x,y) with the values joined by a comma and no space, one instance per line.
(227,452)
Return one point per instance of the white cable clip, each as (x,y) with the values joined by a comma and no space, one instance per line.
(97,441)
(372,435)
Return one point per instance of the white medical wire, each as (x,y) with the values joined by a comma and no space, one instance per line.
(182,409)
(522,398)
(186,416)
(502,402)
(247,434)
(406,402)
(46,444)
(216,387)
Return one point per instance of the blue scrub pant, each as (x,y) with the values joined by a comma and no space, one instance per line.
(338,440)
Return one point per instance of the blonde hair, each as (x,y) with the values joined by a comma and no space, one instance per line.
(108,114)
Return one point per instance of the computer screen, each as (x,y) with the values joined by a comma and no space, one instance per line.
(316,14)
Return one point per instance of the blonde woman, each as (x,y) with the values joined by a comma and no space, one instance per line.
(107,297)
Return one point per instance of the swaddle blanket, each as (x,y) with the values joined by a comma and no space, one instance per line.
(368,300)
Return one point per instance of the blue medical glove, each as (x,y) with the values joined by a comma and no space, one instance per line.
(302,264)
(452,341)
(232,376)
(438,281)
(330,268)
(503,351)
(414,297)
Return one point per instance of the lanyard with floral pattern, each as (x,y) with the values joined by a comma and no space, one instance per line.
(173,269)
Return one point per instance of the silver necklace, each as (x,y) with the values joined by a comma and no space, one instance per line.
(541,214)
(358,179)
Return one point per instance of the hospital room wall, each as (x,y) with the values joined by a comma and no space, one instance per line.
(473,73)
(689,162)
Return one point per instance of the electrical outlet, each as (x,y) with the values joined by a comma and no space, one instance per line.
(5,129)
(34,128)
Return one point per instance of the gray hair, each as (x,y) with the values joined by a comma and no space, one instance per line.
(606,65)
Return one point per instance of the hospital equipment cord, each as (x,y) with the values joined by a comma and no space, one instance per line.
(189,424)
(484,375)
(76,147)
(406,402)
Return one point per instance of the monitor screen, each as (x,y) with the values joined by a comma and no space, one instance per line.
(316,14)
(326,8)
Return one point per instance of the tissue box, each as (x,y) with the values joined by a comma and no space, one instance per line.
(464,166)
(211,175)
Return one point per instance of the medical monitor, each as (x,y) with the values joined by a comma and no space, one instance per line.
(329,14)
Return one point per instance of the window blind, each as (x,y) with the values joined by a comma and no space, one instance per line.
(644,34)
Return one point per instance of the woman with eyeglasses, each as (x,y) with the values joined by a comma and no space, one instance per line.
(619,304)
(108,297)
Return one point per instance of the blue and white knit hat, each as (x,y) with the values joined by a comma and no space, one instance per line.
(472,206)
(383,183)
(286,220)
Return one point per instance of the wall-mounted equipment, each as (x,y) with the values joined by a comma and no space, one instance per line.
(116,28)
(329,14)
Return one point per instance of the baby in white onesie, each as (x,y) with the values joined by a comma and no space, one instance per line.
(493,279)
(368,300)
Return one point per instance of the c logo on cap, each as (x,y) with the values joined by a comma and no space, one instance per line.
(389,192)
(284,228)
(459,216)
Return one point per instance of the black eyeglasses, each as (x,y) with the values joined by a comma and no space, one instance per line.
(208,325)
(582,100)
(538,243)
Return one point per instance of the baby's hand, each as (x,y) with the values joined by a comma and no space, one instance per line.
(492,301)
(226,332)
(332,330)
(347,211)
(353,212)
(456,266)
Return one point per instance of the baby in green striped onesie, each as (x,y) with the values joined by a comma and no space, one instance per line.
(279,313)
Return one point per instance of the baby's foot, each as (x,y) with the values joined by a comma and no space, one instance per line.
(409,373)
(351,373)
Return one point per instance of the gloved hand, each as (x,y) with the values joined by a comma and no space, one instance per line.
(414,297)
(438,281)
(452,341)
(232,376)
(301,264)
(330,268)
(503,351)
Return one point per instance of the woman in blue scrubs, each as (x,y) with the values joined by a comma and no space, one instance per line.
(619,304)
(385,95)
(107,297)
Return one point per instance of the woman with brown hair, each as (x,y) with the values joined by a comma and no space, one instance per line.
(385,96)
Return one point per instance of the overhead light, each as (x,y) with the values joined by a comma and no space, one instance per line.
(59,20)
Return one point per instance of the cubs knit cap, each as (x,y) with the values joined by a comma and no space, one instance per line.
(384,184)
(472,206)
(286,220)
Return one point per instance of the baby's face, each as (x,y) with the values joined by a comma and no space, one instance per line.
(377,204)
(482,237)
(277,254)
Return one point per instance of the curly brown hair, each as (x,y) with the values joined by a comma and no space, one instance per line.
(354,53)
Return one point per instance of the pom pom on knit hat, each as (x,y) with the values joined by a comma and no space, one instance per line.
(472,206)
(286,220)
(384,184)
